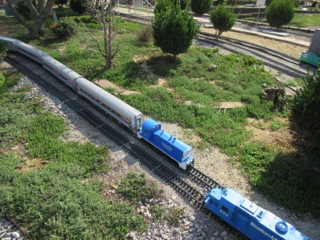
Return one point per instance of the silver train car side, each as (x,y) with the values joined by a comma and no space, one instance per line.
(61,71)
(124,113)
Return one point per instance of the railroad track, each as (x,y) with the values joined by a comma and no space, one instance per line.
(155,165)
(271,58)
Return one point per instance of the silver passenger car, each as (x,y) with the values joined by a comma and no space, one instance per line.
(61,71)
(124,113)
(31,52)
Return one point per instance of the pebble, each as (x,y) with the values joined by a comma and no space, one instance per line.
(8,231)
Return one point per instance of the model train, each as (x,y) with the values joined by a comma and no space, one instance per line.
(250,219)
(121,111)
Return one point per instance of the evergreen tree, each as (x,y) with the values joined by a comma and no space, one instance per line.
(173,30)
(200,7)
(280,12)
(222,19)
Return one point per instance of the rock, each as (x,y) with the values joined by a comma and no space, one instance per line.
(15,235)
(223,234)
(131,235)
(176,232)
(164,236)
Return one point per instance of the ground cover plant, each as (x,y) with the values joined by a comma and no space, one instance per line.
(42,185)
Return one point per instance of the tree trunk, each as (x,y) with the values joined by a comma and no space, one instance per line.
(39,13)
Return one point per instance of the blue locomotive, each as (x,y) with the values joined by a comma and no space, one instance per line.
(170,145)
(250,219)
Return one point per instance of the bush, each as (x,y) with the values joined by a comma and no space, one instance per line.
(3,49)
(280,12)
(23,10)
(173,30)
(222,19)
(77,6)
(136,188)
(64,28)
(145,34)
(60,3)
(200,7)
(305,106)
(163,4)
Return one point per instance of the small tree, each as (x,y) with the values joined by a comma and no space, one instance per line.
(173,30)
(280,12)
(305,106)
(223,19)
(78,6)
(60,3)
(306,117)
(39,12)
(200,7)
(163,4)
(102,11)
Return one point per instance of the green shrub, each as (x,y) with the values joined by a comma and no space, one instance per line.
(77,6)
(60,3)
(280,12)
(145,34)
(222,18)
(136,187)
(173,30)
(3,50)
(64,28)
(174,216)
(23,10)
(161,5)
(200,7)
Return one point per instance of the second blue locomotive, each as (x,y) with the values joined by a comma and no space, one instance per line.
(250,219)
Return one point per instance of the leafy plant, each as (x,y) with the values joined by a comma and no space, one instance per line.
(173,30)
(280,12)
(77,6)
(64,28)
(157,211)
(222,18)
(200,7)
(174,216)
(136,188)
(145,34)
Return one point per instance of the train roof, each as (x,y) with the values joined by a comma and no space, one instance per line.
(165,136)
(112,101)
(149,124)
(66,71)
(30,49)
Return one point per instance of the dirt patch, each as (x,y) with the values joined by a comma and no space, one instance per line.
(117,90)
(262,133)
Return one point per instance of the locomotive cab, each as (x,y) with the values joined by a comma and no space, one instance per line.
(173,147)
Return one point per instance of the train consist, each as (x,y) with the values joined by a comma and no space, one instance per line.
(250,219)
(121,111)
(253,221)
